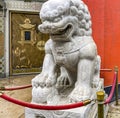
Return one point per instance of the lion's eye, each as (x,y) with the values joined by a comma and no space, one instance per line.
(57,19)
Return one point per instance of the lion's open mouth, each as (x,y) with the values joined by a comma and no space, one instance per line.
(63,32)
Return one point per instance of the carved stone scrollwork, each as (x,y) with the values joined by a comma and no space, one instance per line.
(39,116)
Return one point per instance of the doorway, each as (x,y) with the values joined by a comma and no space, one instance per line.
(26,43)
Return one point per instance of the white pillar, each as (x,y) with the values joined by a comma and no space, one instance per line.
(7,40)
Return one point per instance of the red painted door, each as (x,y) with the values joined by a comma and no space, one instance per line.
(106,33)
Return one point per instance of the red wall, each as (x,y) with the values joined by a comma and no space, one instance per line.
(106,33)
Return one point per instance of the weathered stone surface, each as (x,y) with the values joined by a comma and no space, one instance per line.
(71,67)
(70,49)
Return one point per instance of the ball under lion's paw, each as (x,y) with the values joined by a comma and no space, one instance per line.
(39,94)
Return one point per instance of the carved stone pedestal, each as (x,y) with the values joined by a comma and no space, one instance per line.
(89,111)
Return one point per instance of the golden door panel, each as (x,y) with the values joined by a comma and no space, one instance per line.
(26,43)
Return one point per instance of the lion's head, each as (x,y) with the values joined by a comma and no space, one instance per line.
(63,19)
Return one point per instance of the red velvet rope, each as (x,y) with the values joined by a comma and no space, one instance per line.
(15,88)
(59,107)
(27,86)
(112,89)
(42,107)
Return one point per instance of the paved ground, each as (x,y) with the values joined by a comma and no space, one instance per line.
(10,110)
(114,111)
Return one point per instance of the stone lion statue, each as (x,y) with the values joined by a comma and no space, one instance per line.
(71,64)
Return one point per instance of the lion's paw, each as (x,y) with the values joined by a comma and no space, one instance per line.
(39,80)
(80,94)
(50,81)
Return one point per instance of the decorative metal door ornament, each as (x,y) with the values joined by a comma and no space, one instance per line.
(28,32)
(41,45)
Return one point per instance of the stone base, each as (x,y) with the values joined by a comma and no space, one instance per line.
(89,111)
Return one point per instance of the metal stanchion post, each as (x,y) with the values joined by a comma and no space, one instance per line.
(116,87)
(100,100)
